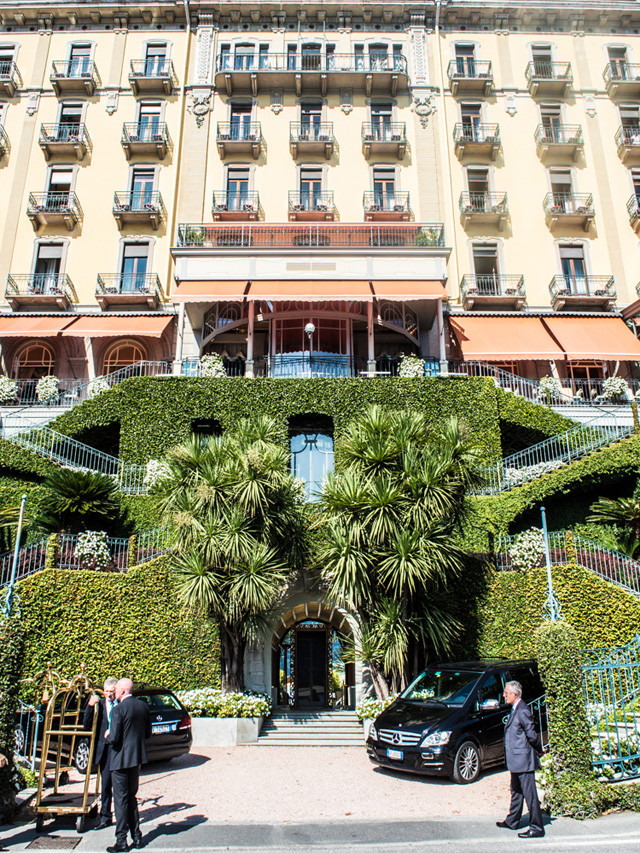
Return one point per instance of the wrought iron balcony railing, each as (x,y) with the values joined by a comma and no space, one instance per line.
(313,62)
(620,71)
(153,68)
(628,136)
(10,78)
(5,146)
(586,285)
(465,132)
(394,132)
(240,202)
(568,204)
(132,201)
(231,131)
(469,68)
(302,131)
(492,284)
(123,284)
(380,202)
(548,71)
(471,203)
(318,236)
(633,208)
(137,132)
(40,284)
(63,203)
(64,135)
(559,134)
(79,69)
(309,201)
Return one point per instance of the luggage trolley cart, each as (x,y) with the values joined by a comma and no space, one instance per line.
(62,727)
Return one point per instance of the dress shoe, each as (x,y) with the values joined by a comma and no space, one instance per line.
(504,825)
(531,833)
(118,848)
(104,823)
(137,842)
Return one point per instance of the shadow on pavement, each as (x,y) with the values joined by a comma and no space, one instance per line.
(439,781)
(172,828)
(150,808)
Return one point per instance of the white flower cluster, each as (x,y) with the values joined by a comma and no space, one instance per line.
(211,364)
(92,550)
(613,748)
(550,386)
(369,709)
(155,471)
(211,702)
(528,549)
(47,388)
(8,389)
(515,476)
(615,387)
(411,367)
(98,386)
(299,489)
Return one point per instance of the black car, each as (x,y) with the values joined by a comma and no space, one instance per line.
(450,720)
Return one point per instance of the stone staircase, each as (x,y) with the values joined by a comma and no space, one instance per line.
(311,728)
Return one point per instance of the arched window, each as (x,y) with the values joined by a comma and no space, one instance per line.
(34,360)
(122,354)
(311,447)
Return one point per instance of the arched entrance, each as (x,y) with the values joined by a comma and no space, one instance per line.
(307,667)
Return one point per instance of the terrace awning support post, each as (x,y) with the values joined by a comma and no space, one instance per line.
(371,357)
(444,364)
(14,569)
(248,371)
(551,605)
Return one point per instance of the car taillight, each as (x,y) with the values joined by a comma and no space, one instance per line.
(184,724)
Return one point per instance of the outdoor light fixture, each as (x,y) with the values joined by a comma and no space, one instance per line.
(309,329)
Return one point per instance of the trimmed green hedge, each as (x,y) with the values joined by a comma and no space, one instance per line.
(11,654)
(117,624)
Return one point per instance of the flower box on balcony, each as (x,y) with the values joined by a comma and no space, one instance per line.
(398,207)
(600,292)
(374,208)
(150,206)
(298,207)
(248,208)
(123,207)
(222,207)
(321,207)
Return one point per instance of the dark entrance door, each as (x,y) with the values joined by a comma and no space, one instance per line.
(311,668)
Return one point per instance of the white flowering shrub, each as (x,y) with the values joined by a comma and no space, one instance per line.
(411,367)
(98,386)
(8,389)
(47,388)
(211,364)
(516,476)
(211,702)
(550,386)
(615,388)
(528,549)
(369,709)
(155,472)
(92,550)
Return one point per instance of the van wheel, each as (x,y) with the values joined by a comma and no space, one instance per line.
(466,764)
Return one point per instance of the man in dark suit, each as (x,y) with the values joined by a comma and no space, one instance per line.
(102,751)
(522,748)
(130,726)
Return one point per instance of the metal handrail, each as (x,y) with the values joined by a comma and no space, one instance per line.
(633,207)
(230,131)
(123,283)
(5,145)
(313,61)
(153,67)
(483,202)
(136,131)
(245,202)
(547,70)
(620,71)
(55,134)
(465,132)
(628,134)
(568,204)
(492,285)
(582,285)
(469,68)
(310,131)
(64,203)
(134,201)
(558,134)
(380,131)
(40,284)
(306,201)
(391,202)
(80,68)
(9,71)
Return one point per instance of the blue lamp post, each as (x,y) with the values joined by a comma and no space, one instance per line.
(14,568)
(551,605)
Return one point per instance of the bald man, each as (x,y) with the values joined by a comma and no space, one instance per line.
(130,726)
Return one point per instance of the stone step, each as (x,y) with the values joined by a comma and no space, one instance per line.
(311,728)
(305,742)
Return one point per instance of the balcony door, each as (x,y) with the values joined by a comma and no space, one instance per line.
(244,57)
(133,270)
(384,188)
(69,121)
(551,117)
(58,187)
(486,269)
(7,55)
(310,120)
(561,188)
(381,116)
(311,56)
(574,269)
(618,62)
(378,57)
(542,60)
(142,186)
(149,114)
(466,60)
(478,185)
(310,188)
(47,268)
(79,60)
(237,188)
(155,60)
(635,179)
(471,115)
(630,121)
(240,121)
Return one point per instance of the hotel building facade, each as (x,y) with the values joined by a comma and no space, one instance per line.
(319,188)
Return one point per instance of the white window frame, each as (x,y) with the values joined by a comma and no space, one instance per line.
(50,241)
(72,102)
(583,244)
(63,167)
(123,241)
(498,242)
(389,167)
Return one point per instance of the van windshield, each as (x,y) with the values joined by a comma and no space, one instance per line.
(451,686)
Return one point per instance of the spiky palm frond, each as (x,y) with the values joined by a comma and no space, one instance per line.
(200,584)
(347,565)
(255,581)
(401,565)
(622,511)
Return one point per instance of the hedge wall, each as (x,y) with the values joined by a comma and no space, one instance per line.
(117,625)
(512,609)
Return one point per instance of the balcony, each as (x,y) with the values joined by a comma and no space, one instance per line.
(627,141)
(569,209)
(114,289)
(138,208)
(563,141)
(388,140)
(469,76)
(10,79)
(5,146)
(311,73)
(238,138)
(54,209)
(386,207)
(310,138)
(311,207)
(622,80)
(336,236)
(70,140)
(490,291)
(74,77)
(152,76)
(588,291)
(41,290)
(549,79)
(484,209)
(633,209)
(235,206)
(150,140)
(476,140)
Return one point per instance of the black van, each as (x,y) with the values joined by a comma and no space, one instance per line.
(450,720)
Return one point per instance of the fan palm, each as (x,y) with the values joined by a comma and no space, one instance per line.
(75,501)
(624,512)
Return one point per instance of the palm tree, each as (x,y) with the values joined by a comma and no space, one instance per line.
(388,548)
(241,531)
(74,501)
(623,512)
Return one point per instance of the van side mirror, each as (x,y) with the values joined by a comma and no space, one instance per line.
(490,705)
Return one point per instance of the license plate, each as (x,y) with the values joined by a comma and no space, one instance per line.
(395,754)
(160,730)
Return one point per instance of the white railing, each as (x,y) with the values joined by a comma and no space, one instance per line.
(31,559)
(154,542)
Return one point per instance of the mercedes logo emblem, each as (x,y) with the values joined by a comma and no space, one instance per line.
(396,738)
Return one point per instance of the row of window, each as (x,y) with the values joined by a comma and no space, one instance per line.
(79,58)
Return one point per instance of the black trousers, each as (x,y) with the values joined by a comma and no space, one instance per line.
(105,784)
(125,805)
(523,787)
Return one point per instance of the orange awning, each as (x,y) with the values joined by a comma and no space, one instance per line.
(605,338)
(311,290)
(35,327)
(409,290)
(504,339)
(115,327)
(209,291)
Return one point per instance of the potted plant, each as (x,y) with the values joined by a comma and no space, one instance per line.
(616,389)
(8,390)
(225,719)
(47,389)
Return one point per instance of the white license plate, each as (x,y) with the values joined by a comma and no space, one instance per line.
(160,730)
(395,754)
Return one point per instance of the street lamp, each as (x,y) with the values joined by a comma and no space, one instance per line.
(309,329)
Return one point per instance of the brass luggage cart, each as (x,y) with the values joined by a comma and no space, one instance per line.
(62,730)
